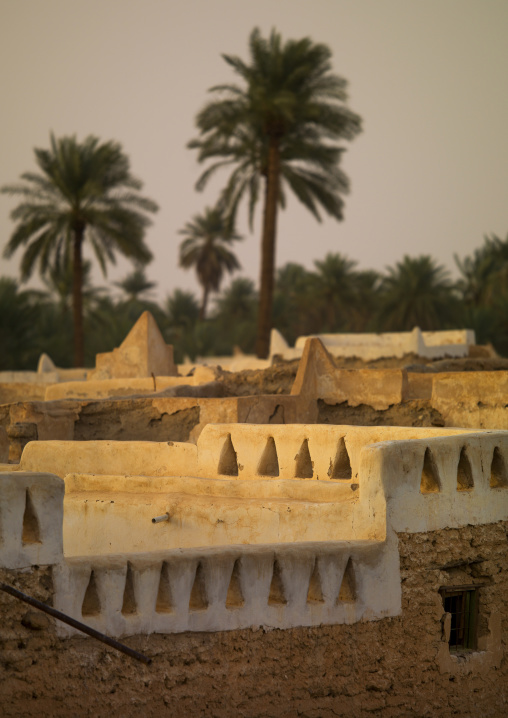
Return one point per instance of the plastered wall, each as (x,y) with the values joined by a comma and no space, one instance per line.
(139,418)
(399,665)
(431,345)
(470,399)
(245,546)
(31,518)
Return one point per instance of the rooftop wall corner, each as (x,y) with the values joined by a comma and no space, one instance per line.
(445,482)
(31,519)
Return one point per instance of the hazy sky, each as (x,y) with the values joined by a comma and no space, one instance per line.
(429,173)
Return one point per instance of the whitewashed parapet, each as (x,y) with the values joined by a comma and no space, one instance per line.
(105,515)
(28,377)
(237,587)
(397,344)
(297,451)
(408,480)
(254,485)
(445,337)
(31,517)
(327,445)
(442,482)
(104,388)
(128,458)
(47,373)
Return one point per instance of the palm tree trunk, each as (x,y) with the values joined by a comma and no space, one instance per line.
(268,250)
(204,302)
(77,296)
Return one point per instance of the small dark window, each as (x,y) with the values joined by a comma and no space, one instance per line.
(462,605)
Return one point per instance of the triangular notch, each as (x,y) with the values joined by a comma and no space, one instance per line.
(228,462)
(347,591)
(315,593)
(430,482)
(164,602)
(198,600)
(269,464)
(31,532)
(304,468)
(341,466)
(129,599)
(277,595)
(234,599)
(464,472)
(91,603)
(498,474)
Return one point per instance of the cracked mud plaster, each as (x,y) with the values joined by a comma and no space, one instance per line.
(410,413)
(387,668)
(134,420)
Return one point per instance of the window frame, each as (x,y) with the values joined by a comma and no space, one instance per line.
(462,603)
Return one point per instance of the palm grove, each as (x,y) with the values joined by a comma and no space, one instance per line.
(278,131)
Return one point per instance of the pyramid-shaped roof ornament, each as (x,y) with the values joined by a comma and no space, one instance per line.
(142,353)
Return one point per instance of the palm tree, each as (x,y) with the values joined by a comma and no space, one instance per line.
(417,292)
(294,305)
(180,325)
(136,288)
(335,282)
(484,289)
(56,319)
(365,302)
(85,192)
(182,309)
(280,126)
(135,284)
(59,282)
(205,246)
(20,313)
(235,317)
(484,274)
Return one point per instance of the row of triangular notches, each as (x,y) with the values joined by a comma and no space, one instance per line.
(431,481)
(268,465)
(198,600)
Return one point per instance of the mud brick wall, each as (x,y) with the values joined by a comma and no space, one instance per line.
(383,668)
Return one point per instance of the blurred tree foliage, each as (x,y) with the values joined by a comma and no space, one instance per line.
(483,287)
(333,297)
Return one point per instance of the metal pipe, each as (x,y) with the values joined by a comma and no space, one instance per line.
(158,519)
(75,624)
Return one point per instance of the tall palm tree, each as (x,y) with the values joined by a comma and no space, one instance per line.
(207,238)
(280,126)
(417,292)
(56,323)
(59,282)
(85,192)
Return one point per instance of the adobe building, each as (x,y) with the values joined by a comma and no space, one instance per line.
(291,570)
(259,556)
(176,408)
